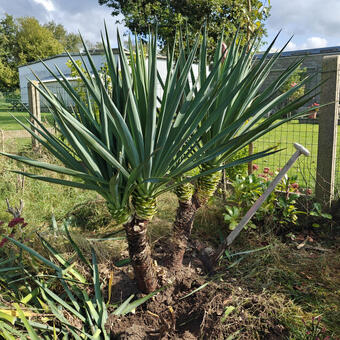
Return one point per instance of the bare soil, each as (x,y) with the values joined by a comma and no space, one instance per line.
(195,306)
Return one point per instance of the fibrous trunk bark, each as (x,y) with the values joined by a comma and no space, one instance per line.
(140,254)
(185,215)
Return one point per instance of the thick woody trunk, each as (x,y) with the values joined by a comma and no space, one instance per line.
(185,215)
(140,254)
(186,212)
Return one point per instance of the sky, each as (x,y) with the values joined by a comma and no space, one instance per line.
(312,23)
(85,16)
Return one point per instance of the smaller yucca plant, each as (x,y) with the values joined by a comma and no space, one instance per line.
(248,101)
(40,311)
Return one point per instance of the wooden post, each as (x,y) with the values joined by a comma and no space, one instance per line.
(250,152)
(328,128)
(250,146)
(34,106)
(2,140)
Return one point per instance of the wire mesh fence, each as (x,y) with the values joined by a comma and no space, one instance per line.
(304,131)
(11,102)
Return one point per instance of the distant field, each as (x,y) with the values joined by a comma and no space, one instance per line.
(7,122)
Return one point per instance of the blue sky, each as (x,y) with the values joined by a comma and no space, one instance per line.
(314,23)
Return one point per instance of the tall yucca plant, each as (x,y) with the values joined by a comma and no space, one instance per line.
(135,147)
(245,118)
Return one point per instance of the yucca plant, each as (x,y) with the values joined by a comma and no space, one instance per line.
(57,301)
(245,118)
(138,144)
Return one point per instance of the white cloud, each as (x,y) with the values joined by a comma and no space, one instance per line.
(314,42)
(47,4)
(305,18)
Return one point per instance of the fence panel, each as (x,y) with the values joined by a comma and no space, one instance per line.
(304,132)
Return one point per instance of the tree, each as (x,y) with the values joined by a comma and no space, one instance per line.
(243,116)
(35,41)
(24,40)
(70,41)
(135,149)
(220,15)
(8,61)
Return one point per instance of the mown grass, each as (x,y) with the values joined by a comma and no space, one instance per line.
(283,137)
(7,122)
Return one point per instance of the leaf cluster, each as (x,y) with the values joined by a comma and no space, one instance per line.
(220,15)
(53,300)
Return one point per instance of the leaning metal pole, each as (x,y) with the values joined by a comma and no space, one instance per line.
(229,240)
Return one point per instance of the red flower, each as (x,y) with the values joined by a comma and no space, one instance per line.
(16,221)
(293,84)
(4,240)
(255,167)
(266,170)
(294,185)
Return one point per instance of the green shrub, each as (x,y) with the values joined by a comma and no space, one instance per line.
(279,208)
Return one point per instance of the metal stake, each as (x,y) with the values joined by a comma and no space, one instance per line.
(229,240)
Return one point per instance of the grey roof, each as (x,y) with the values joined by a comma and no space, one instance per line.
(312,51)
(73,54)
(77,54)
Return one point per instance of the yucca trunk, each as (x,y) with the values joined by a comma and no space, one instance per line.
(182,230)
(136,233)
(186,212)
(140,254)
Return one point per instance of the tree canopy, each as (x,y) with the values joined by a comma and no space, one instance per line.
(220,15)
(70,41)
(8,60)
(35,41)
(23,40)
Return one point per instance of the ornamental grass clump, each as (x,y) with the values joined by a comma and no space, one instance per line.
(140,145)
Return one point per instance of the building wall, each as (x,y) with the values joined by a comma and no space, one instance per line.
(27,73)
(311,60)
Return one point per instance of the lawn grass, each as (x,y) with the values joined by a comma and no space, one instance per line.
(8,123)
(283,137)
